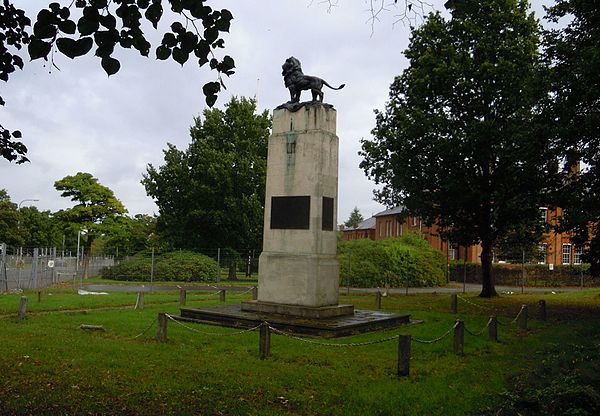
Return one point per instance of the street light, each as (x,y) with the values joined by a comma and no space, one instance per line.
(25,200)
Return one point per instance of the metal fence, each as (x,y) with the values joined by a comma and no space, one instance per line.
(37,268)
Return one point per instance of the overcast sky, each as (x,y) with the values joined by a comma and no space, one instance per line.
(79,120)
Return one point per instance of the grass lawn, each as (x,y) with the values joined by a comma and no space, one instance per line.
(50,366)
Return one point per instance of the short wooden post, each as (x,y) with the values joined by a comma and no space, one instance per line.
(542,310)
(254,293)
(222,295)
(23,307)
(459,337)
(39,293)
(161,331)
(493,329)
(182,297)
(265,341)
(454,303)
(378,300)
(522,320)
(404,355)
(139,303)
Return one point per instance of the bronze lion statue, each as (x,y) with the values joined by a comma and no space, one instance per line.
(296,81)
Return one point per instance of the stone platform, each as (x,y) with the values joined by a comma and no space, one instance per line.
(234,317)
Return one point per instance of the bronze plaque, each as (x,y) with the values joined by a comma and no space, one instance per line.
(290,212)
(327,224)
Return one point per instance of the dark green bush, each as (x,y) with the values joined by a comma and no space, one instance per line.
(395,262)
(183,266)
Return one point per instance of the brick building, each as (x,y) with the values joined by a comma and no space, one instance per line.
(556,247)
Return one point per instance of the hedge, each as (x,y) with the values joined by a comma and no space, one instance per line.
(535,274)
(394,262)
(183,266)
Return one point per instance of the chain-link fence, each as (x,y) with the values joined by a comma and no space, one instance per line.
(35,268)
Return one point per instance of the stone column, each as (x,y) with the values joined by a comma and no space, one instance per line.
(298,268)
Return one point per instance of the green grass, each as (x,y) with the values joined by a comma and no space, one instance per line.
(50,366)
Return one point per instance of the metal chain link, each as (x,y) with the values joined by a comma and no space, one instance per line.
(214,334)
(146,330)
(432,341)
(327,344)
(476,334)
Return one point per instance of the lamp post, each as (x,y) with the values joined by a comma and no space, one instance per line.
(19,233)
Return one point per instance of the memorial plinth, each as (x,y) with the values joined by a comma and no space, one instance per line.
(298,268)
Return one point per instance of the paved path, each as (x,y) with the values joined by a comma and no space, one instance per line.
(469,287)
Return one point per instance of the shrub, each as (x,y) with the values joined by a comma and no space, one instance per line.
(395,262)
(183,266)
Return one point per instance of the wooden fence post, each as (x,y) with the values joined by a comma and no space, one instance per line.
(161,330)
(139,303)
(459,337)
(222,295)
(39,293)
(542,310)
(404,355)
(265,341)
(182,297)
(23,307)
(493,329)
(254,293)
(454,303)
(522,320)
(378,300)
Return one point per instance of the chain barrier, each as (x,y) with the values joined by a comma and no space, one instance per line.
(330,344)
(432,341)
(489,308)
(145,330)
(214,334)
(476,334)
(517,317)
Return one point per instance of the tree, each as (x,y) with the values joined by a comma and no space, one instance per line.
(459,143)
(9,221)
(96,211)
(212,194)
(39,228)
(572,53)
(74,28)
(132,235)
(355,219)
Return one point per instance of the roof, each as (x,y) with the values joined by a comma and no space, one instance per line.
(392,211)
(367,224)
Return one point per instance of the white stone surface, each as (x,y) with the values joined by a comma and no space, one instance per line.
(300,267)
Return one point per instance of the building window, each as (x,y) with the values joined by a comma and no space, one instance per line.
(452,251)
(544,215)
(577,255)
(566,254)
(543,253)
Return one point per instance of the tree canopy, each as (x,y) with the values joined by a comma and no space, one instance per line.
(355,219)
(573,56)
(211,195)
(460,143)
(75,27)
(97,211)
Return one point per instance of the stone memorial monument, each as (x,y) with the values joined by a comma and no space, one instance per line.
(298,276)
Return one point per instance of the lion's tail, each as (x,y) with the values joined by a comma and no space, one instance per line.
(333,88)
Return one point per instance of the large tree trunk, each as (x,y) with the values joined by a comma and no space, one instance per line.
(232,267)
(487,279)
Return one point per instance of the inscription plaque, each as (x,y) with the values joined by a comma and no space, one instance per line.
(290,212)
(327,218)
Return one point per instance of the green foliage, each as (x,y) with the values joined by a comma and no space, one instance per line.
(184,266)
(459,143)
(9,221)
(572,55)
(395,262)
(355,219)
(97,211)
(73,29)
(212,194)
